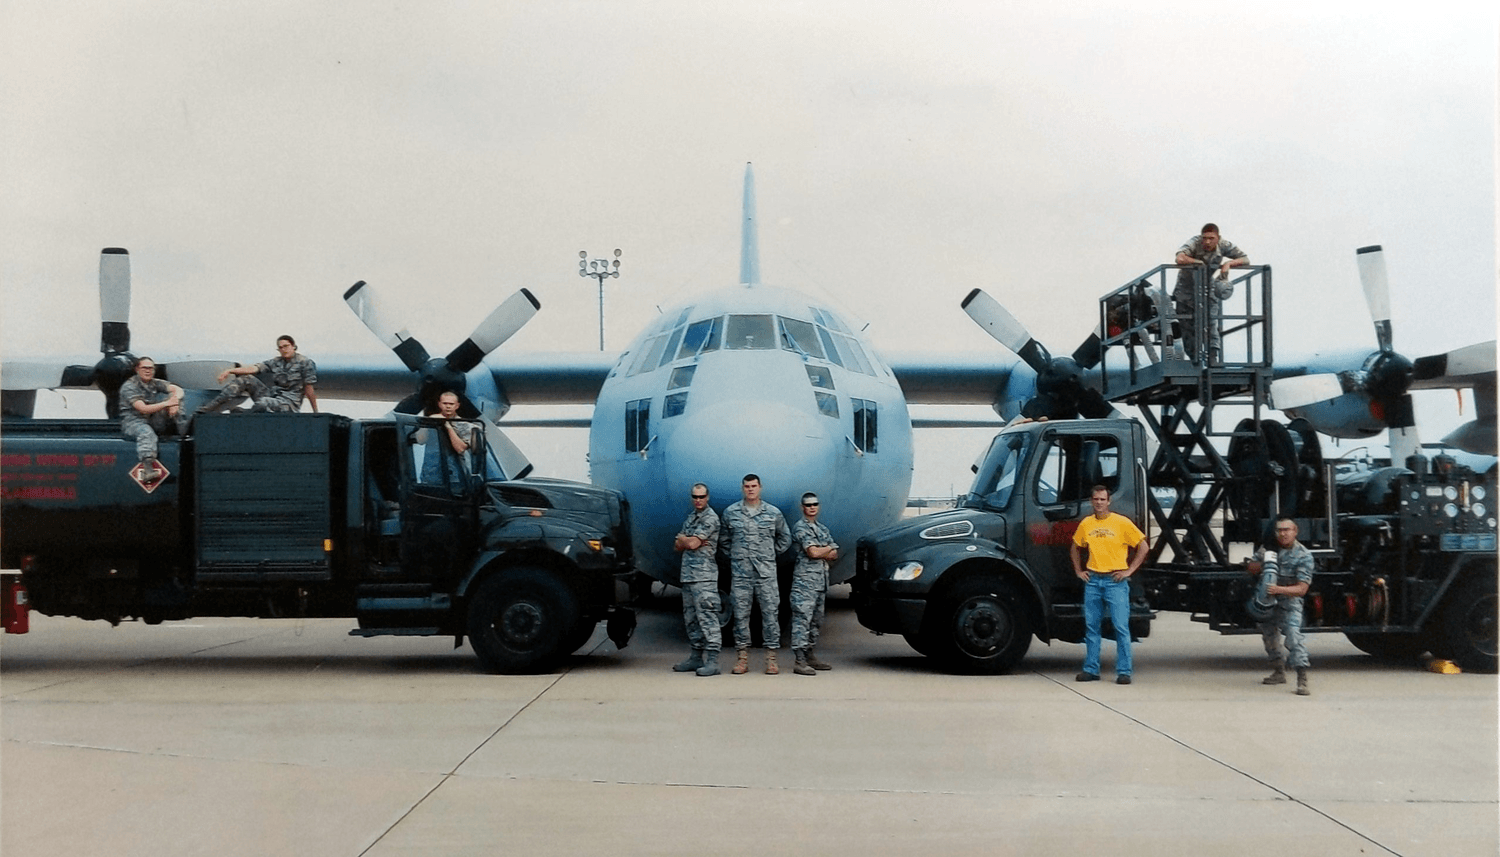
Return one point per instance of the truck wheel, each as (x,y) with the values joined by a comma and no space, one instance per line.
(1467,633)
(980,627)
(517,621)
(1390,647)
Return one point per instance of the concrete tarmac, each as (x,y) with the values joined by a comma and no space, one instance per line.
(254,737)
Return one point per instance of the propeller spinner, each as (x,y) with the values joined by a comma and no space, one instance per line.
(438,375)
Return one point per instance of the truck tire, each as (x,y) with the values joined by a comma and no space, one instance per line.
(1466,630)
(518,619)
(978,627)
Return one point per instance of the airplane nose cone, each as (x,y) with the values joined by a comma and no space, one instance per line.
(718,445)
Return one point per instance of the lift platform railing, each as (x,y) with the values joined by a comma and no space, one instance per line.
(1141,326)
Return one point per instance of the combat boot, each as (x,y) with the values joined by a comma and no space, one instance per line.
(817,664)
(1278,673)
(693,662)
(802,667)
(1302,682)
(771,668)
(741,662)
(213,405)
(710,664)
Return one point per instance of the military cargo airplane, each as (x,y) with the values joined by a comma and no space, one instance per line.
(745,379)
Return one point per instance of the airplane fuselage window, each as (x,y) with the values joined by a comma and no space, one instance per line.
(750,332)
(833,352)
(637,424)
(866,424)
(675,404)
(802,337)
(701,337)
(644,357)
(682,376)
(819,376)
(828,404)
(670,351)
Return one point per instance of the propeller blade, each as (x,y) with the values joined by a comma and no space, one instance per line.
(1006,329)
(114,299)
(1371,262)
(1456,368)
(1088,355)
(512,461)
(361,298)
(1476,436)
(1303,390)
(510,316)
(194,374)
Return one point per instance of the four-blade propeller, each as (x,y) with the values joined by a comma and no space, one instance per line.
(21,379)
(1061,391)
(1387,377)
(438,375)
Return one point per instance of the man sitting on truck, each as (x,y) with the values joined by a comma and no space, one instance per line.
(1108,537)
(292,379)
(1294,575)
(150,407)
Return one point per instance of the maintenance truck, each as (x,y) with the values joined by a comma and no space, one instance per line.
(312,515)
(1405,555)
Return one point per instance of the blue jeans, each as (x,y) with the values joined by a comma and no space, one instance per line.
(1098,590)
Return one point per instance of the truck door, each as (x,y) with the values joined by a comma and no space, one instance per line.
(440,495)
(1069,465)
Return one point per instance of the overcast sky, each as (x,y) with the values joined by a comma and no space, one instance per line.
(258,158)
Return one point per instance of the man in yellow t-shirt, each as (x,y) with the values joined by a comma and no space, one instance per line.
(1109,538)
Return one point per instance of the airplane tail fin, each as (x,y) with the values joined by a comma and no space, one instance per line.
(749,243)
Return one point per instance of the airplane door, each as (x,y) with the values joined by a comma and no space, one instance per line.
(440,495)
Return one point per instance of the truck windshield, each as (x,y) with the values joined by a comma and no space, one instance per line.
(996,478)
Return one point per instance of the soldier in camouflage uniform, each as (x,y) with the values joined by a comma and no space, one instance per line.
(292,378)
(755,532)
(1216,256)
(814,549)
(1294,575)
(697,542)
(150,407)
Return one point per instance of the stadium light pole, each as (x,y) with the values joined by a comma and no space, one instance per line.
(599,269)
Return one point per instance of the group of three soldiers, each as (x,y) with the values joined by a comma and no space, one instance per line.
(754,532)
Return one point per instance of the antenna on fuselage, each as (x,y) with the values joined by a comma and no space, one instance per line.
(749,245)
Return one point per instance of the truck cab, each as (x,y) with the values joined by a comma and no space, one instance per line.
(971,586)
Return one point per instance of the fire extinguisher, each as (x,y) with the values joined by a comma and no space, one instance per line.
(15,610)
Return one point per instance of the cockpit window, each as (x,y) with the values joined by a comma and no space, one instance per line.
(670,351)
(801,336)
(833,353)
(701,337)
(682,376)
(828,403)
(819,376)
(750,332)
(643,358)
(829,320)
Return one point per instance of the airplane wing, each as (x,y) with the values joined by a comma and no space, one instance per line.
(525,378)
(951,379)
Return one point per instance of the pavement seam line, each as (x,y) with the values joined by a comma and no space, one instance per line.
(1247,775)
(444,778)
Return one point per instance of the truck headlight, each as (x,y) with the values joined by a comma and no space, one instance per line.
(907,571)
